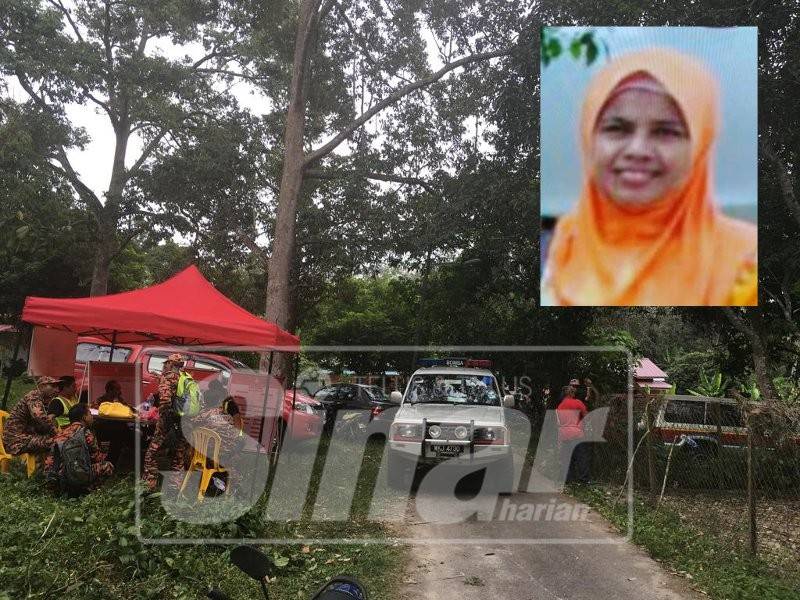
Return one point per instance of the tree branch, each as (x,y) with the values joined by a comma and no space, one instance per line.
(142,40)
(108,52)
(128,239)
(395,97)
(235,74)
(201,61)
(61,8)
(325,9)
(86,194)
(148,150)
(37,99)
(103,105)
(251,245)
(328,175)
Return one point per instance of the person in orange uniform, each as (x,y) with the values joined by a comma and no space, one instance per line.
(29,429)
(167,435)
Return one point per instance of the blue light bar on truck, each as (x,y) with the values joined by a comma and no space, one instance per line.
(454,362)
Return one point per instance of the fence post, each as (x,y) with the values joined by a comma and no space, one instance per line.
(651,463)
(751,495)
(717,415)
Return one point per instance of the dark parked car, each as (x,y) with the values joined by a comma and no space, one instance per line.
(354,396)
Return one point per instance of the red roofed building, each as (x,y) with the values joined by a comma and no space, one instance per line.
(649,375)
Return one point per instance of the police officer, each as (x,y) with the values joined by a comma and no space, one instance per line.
(167,435)
(29,428)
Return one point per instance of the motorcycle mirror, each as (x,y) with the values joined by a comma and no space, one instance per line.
(251,561)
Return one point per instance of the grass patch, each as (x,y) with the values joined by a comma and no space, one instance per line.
(719,570)
(19,387)
(87,548)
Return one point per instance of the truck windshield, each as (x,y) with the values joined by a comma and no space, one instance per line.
(454,389)
(99,352)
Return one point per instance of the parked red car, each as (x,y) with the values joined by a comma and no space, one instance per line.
(306,421)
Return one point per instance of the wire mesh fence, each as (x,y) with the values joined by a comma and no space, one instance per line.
(728,468)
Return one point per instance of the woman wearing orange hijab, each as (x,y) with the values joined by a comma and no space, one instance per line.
(646,230)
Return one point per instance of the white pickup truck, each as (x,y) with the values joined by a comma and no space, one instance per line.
(454,414)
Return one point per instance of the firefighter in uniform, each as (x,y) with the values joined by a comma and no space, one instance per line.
(29,428)
(80,417)
(167,435)
(223,420)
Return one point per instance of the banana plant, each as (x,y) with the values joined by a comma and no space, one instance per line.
(750,391)
(710,387)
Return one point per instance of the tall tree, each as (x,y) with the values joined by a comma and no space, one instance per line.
(381,51)
(105,56)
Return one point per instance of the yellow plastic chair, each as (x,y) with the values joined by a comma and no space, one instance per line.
(30,463)
(6,458)
(202,437)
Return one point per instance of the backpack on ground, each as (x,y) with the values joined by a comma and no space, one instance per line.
(187,396)
(72,463)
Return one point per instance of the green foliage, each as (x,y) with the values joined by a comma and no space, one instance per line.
(711,386)
(88,547)
(365,311)
(45,236)
(787,389)
(685,368)
(582,44)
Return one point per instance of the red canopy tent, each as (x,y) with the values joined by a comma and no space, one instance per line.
(185,310)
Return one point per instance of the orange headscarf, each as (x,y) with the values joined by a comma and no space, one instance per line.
(676,250)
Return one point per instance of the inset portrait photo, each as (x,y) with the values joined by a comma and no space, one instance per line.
(649,166)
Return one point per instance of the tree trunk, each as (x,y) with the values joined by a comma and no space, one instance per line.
(108,219)
(751,328)
(102,262)
(280,263)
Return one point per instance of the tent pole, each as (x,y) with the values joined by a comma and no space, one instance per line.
(294,379)
(113,345)
(10,378)
(264,407)
(263,417)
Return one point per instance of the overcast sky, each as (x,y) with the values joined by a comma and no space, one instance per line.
(93,163)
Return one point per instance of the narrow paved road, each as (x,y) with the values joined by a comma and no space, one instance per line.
(602,566)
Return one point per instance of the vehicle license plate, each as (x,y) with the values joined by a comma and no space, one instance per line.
(447,449)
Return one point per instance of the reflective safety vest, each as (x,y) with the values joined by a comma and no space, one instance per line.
(66,404)
(186,401)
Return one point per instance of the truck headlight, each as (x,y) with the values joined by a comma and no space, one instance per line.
(490,435)
(406,431)
(461,432)
(434,431)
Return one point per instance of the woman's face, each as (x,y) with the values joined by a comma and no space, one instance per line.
(641,148)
